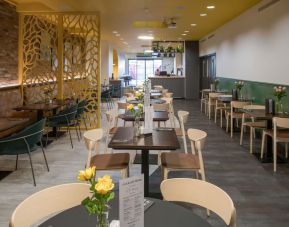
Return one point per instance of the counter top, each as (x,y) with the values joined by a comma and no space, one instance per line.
(166,77)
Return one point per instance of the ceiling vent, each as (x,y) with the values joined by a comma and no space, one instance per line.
(211,36)
(267,5)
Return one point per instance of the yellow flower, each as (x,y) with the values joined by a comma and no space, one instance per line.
(104,185)
(130,107)
(140,105)
(87,174)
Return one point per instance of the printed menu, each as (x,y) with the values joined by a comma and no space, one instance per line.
(131,202)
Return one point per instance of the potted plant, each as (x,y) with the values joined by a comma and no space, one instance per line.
(279,93)
(239,85)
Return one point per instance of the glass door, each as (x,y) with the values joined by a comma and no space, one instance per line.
(140,72)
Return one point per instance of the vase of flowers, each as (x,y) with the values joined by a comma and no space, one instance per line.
(139,96)
(137,112)
(48,95)
(279,93)
(239,85)
(101,194)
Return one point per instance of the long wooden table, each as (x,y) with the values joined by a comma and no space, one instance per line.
(124,139)
(158,116)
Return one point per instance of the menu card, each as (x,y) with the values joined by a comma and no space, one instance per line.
(148,120)
(131,202)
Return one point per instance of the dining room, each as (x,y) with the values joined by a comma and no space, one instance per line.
(145,113)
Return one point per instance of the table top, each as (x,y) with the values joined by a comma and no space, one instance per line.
(160,214)
(9,126)
(229,98)
(153,101)
(39,106)
(158,116)
(262,115)
(158,140)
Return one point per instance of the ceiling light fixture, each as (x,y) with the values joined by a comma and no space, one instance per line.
(117,34)
(203,14)
(184,34)
(125,43)
(186,31)
(145,37)
(114,32)
(210,7)
(121,39)
(193,25)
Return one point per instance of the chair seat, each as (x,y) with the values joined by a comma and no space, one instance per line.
(178,160)
(237,115)
(113,130)
(110,161)
(179,132)
(256,124)
(281,135)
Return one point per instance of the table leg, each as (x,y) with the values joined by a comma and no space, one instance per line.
(269,153)
(145,170)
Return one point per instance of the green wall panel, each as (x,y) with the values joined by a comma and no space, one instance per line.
(256,91)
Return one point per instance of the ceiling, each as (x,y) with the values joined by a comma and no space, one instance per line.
(120,15)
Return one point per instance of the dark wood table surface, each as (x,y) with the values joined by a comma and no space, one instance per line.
(160,214)
(158,116)
(153,101)
(9,126)
(124,139)
(228,99)
(262,115)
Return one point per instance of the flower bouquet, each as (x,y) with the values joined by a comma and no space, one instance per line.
(279,93)
(101,194)
(216,83)
(139,96)
(239,85)
(137,112)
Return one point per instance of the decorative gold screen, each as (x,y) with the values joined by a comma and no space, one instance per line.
(60,58)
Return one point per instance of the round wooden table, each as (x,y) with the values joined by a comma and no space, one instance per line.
(160,214)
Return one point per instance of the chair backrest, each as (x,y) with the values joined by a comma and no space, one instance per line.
(164,91)
(239,104)
(48,201)
(81,107)
(254,107)
(183,118)
(200,193)
(122,105)
(161,107)
(280,122)
(214,95)
(17,143)
(158,87)
(169,95)
(91,139)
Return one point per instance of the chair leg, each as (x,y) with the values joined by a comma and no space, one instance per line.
(251,139)
(275,156)
(165,173)
(232,128)
(84,122)
(221,117)
(16,166)
(286,150)
(263,144)
(32,170)
(76,130)
(242,134)
(68,128)
(44,156)
(216,112)
(227,123)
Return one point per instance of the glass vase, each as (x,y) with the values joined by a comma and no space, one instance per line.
(102,219)
(279,107)
(136,129)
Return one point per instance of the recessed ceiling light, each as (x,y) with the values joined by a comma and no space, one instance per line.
(186,31)
(121,39)
(125,43)
(184,34)
(117,34)
(210,7)
(145,37)
(148,51)
(193,25)
(180,38)
(203,14)
(114,32)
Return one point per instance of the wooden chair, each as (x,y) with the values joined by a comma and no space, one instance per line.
(212,102)
(164,92)
(235,113)
(251,124)
(47,202)
(121,106)
(204,99)
(169,95)
(111,117)
(105,161)
(279,135)
(158,87)
(177,161)
(171,111)
(200,193)
(221,107)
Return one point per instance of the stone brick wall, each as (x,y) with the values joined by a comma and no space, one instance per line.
(8,43)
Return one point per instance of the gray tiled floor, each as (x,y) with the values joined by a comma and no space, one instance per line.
(261,197)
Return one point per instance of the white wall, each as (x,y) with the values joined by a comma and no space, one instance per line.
(253,46)
(106,67)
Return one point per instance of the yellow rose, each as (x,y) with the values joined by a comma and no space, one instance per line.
(130,107)
(140,105)
(104,185)
(87,174)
